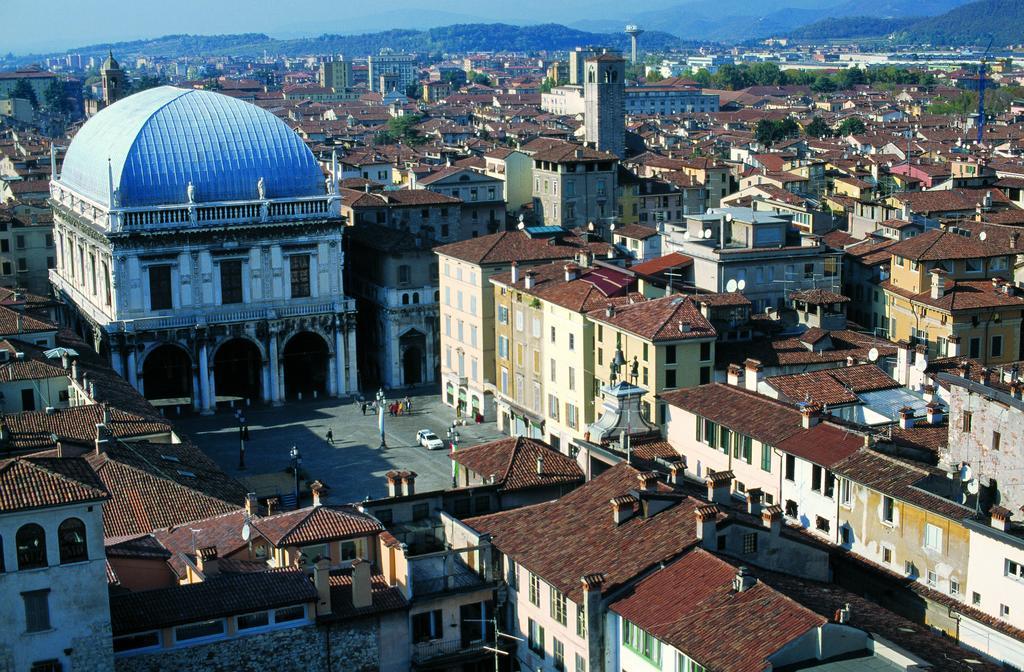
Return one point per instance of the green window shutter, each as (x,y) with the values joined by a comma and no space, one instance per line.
(700,425)
(766,457)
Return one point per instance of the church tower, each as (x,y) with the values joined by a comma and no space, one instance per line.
(113,80)
(604,98)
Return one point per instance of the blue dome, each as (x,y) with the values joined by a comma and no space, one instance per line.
(159,140)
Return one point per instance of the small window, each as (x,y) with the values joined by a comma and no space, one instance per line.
(37,610)
(142,640)
(427,626)
(996,440)
(932,537)
(909,569)
(160,296)
(259,619)
(792,510)
(210,628)
(71,535)
(790,468)
(750,542)
(298,266)
(31,546)
(887,555)
(845,535)
(965,421)
(286,614)
(888,510)
(954,587)
(1004,611)
(534,589)
(231,281)
(931,579)
(976,598)
(821,524)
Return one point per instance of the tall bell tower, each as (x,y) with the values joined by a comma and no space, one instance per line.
(113,80)
(604,98)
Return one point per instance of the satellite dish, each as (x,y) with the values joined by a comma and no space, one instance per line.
(731,285)
(921,364)
(873,355)
(728,216)
(972,486)
(686,235)
(741,285)
(707,234)
(982,236)
(966,473)
(246,532)
(521,226)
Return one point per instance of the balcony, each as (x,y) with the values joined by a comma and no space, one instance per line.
(447,652)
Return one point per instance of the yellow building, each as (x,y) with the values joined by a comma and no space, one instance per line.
(946,284)
(666,343)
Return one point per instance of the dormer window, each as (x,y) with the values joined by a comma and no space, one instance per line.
(972,265)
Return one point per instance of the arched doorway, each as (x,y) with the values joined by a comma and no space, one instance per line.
(167,373)
(305,365)
(238,369)
(412,345)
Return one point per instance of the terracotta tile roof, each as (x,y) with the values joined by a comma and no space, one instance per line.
(659,319)
(637,231)
(757,416)
(824,444)
(722,299)
(818,297)
(141,546)
(28,369)
(948,200)
(32,430)
(513,463)
(592,288)
(646,453)
(315,524)
(938,245)
(826,598)
(663,263)
(961,295)
(693,620)
(383,597)
(508,246)
(832,386)
(923,436)
(899,480)
(157,485)
(564,152)
(871,252)
(38,482)
(217,597)
(791,351)
(13,322)
(576,535)
(223,532)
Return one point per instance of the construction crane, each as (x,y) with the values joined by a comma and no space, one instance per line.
(981,91)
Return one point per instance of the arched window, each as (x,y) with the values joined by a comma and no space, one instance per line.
(405,299)
(71,536)
(31,543)
(415,297)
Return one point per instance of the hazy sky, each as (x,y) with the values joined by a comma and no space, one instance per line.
(56,25)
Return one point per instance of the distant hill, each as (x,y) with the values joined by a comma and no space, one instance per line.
(456,38)
(973,23)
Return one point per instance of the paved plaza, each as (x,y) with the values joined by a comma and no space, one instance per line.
(354,466)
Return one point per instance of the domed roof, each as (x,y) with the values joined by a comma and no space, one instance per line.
(111,63)
(160,140)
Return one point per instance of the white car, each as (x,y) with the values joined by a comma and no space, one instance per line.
(429,440)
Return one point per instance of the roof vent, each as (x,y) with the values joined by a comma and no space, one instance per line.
(743,581)
(50,410)
(685,327)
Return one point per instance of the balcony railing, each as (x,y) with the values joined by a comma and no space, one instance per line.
(430,651)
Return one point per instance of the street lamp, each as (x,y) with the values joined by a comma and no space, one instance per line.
(296,461)
(453,440)
(243,435)
(381,402)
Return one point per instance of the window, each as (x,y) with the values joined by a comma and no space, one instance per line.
(997,439)
(705,352)
(231,281)
(976,598)
(299,266)
(503,347)
(420,511)
(888,510)
(71,537)
(142,640)
(31,546)
(965,421)
(581,621)
(887,555)
(750,542)
(37,610)
(427,626)
(1014,569)
(932,537)
(670,378)
(845,492)
(931,579)
(581,663)
(1004,611)
(536,637)
(558,653)
(816,478)
(790,468)
(259,619)
(572,378)
(198,630)
(846,534)
(160,288)
(766,458)
(821,524)
(503,314)
(974,348)
(997,346)
(954,587)
(909,569)
(534,589)
(352,549)
(641,643)
(745,448)
(670,354)
(285,614)
(558,606)
(792,511)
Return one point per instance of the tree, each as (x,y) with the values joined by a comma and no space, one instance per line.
(22,89)
(850,78)
(766,74)
(823,84)
(149,82)
(731,77)
(769,131)
(852,126)
(402,129)
(56,97)
(703,77)
(654,76)
(480,78)
(547,85)
(818,128)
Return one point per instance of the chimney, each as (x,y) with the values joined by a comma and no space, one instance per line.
(1000,517)
(953,346)
(515,272)
(719,485)
(609,310)
(987,200)
(317,488)
(906,418)
(623,508)
(74,369)
(361,595)
(743,581)
(754,373)
(594,618)
(206,561)
(754,501)
(935,415)
(734,374)
(921,357)
(540,465)
(530,277)
(322,581)
(106,414)
(252,505)
(810,414)
(928,392)
(648,481)
(394,479)
(272,504)
(102,438)
(707,524)
(571,272)
(902,371)
(409,483)
(938,283)
(843,614)
(677,472)
(771,518)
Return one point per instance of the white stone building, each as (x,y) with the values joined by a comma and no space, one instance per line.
(200,248)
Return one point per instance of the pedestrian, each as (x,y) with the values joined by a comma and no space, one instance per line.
(364,408)
(330,436)
(408,405)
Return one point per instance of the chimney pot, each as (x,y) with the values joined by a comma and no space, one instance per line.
(322,581)
(734,375)
(1000,517)
(206,561)
(906,417)
(707,523)
(361,591)
(409,483)
(252,506)
(810,414)
(934,411)
(648,480)
(743,581)
(540,465)
(515,272)
(719,484)
(272,504)
(317,488)
(623,508)
(771,517)
(754,373)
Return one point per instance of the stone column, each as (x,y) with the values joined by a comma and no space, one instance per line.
(117,360)
(339,357)
(350,358)
(196,402)
(133,371)
(265,382)
(205,385)
(275,368)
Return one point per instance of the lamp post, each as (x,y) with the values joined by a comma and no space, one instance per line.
(296,461)
(243,434)
(381,402)
(453,441)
